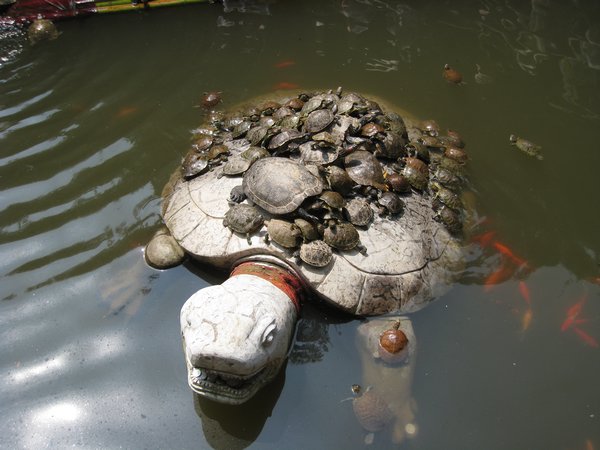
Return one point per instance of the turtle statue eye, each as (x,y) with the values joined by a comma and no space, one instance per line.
(269,334)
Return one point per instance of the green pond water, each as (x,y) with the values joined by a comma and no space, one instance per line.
(93,123)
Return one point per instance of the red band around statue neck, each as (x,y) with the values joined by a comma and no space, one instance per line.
(277,276)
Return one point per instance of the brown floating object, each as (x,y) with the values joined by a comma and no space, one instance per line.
(452,75)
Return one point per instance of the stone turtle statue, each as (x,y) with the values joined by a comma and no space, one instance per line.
(236,335)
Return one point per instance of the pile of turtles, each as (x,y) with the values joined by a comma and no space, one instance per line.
(320,165)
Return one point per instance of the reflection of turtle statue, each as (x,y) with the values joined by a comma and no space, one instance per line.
(387,349)
(320,216)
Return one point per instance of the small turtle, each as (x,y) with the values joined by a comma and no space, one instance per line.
(282,112)
(371,129)
(526,146)
(398,183)
(447,196)
(419,150)
(235,166)
(243,219)
(253,114)
(364,169)
(215,117)
(372,412)
(339,180)
(457,154)
(324,139)
(256,134)
(430,127)
(291,121)
(390,203)
(417,164)
(194,164)
(254,153)
(211,99)
(280,142)
(450,219)
(352,104)
(332,199)
(417,179)
(454,138)
(314,103)
(268,108)
(202,141)
(284,233)
(318,120)
(308,229)
(394,123)
(452,165)
(390,145)
(446,178)
(342,236)
(280,185)
(451,75)
(232,120)
(358,212)
(241,129)
(315,253)
(318,152)
(41,30)
(266,121)
(431,141)
(294,103)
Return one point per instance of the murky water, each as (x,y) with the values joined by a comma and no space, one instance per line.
(92,124)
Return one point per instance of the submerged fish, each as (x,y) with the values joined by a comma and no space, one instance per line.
(586,338)
(573,314)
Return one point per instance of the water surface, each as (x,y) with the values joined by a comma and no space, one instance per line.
(93,123)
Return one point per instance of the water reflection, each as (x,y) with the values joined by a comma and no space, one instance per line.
(91,352)
(236,427)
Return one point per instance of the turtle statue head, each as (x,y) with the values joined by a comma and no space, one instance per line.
(236,335)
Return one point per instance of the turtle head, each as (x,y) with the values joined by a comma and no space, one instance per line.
(236,337)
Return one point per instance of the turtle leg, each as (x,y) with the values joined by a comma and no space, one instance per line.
(163,251)
(302,213)
(237,194)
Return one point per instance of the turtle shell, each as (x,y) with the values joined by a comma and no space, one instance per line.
(280,185)
(372,411)
(364,168)
(410,259)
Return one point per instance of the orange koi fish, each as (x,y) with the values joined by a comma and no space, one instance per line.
(524,290)
(589,445)
(573,313)
(595,280)
(526,319)
(586,338)
(126,111)
(484,239)
(509,254)
(283,64)
(286,85)
(500,275)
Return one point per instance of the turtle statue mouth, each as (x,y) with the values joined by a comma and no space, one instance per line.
(228,388)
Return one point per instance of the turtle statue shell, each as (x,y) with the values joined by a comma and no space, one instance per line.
(410,258)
